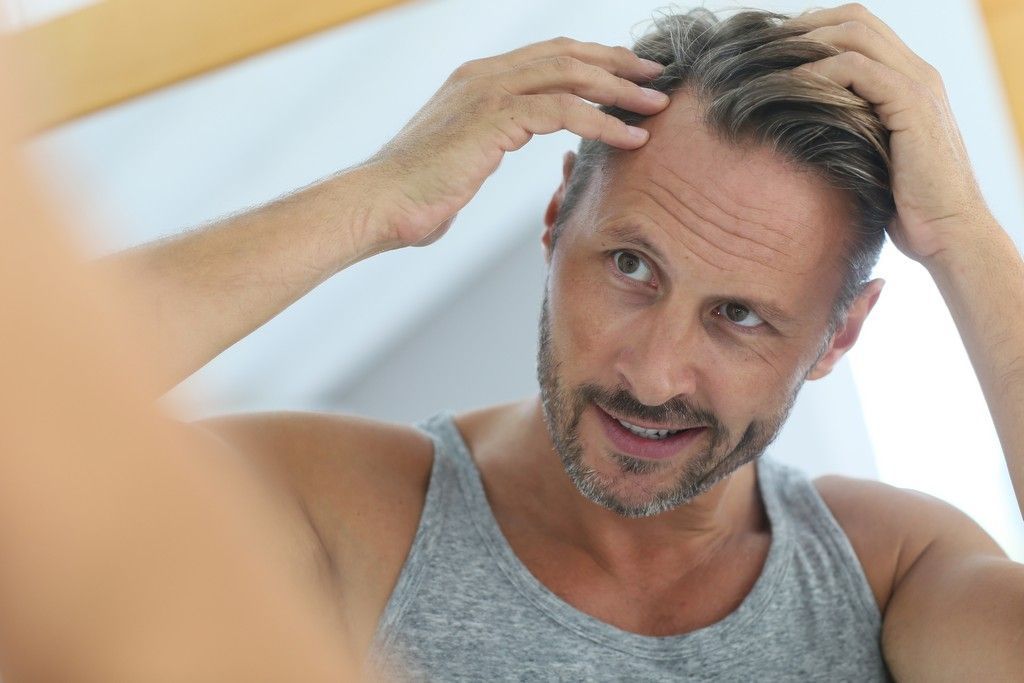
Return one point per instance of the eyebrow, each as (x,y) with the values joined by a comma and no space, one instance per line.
(631,235)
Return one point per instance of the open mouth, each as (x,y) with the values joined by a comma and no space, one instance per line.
(653,434)
(645,442)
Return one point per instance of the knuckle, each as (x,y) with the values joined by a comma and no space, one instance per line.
(932,75)
(856,9)
(624,53)
(563,42)
(466,69)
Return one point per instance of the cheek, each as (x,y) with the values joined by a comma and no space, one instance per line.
(582,312)
(592,324)
(582,326)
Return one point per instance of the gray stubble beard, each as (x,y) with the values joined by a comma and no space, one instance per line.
(562,415)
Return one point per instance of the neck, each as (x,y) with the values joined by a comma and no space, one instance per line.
(523,462)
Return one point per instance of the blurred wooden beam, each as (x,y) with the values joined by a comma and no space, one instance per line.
(114,50)
(1005,21)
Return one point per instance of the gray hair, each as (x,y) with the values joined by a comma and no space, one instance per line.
(741,70)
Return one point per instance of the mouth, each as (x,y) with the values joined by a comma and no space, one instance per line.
(649,442)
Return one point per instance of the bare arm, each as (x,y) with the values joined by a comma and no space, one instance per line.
(198,293)
(959,611)
(981,277)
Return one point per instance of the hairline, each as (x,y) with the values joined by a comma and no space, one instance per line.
(603,153)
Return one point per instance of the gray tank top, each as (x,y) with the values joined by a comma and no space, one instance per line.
(465,608)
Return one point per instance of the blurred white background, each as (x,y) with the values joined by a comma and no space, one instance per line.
(453,326)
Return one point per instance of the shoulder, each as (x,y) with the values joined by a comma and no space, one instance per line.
(357,480)
(359,487)
(952,607)
(890,527)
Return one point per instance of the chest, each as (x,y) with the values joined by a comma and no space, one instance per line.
(654,599)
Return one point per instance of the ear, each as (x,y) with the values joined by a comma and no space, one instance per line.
(846,335)
(555,205)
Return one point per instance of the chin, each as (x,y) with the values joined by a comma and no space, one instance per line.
(629,486)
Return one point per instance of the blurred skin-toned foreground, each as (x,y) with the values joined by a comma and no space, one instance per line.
(133,549)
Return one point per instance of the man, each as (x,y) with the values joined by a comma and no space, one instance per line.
(699,272)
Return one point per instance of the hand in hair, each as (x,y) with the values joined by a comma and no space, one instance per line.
(958,611)
(490,106)
(932,181)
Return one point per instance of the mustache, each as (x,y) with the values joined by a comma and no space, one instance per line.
(675,410)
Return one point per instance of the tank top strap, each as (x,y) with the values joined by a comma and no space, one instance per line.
(437,503)
(793,502)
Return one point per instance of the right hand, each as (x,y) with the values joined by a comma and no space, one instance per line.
(490,106)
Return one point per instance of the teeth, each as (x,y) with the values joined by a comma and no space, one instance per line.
(649,433)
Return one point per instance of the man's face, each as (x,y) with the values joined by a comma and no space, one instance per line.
(690,289)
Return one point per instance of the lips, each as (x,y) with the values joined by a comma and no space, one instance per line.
(636,441)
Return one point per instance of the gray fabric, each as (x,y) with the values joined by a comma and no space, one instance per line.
(466,609)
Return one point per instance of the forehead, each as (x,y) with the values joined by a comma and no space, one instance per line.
(736,213)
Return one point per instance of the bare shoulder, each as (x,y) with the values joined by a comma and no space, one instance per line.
(358,481)
(890,527)
(357,488)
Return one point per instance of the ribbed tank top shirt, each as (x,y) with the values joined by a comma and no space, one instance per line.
(465,608)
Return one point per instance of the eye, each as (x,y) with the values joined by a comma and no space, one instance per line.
(738,314)
(632,266)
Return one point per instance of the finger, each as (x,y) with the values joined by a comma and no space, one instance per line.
(855,36)
(892,93)
(858,13)
(834,16)
(859,37)
(543,114)
(568,74)
(618,60)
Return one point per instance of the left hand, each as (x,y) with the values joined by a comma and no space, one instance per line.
(933,184)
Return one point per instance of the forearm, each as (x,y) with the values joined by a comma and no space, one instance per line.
(197,293)
(982,281)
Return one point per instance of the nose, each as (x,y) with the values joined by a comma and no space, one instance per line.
(661,358)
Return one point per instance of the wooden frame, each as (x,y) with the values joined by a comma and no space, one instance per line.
(114,50)
(1005,22)
(118,49)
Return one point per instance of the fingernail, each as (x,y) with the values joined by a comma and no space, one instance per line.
(638,133)
(656,95)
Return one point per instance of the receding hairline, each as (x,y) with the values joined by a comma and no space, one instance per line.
(606,157)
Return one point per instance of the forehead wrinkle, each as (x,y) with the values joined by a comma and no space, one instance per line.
(720,227)
(740,220)
(696,233)
(695,252)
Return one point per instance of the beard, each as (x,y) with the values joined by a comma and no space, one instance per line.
(563,409)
